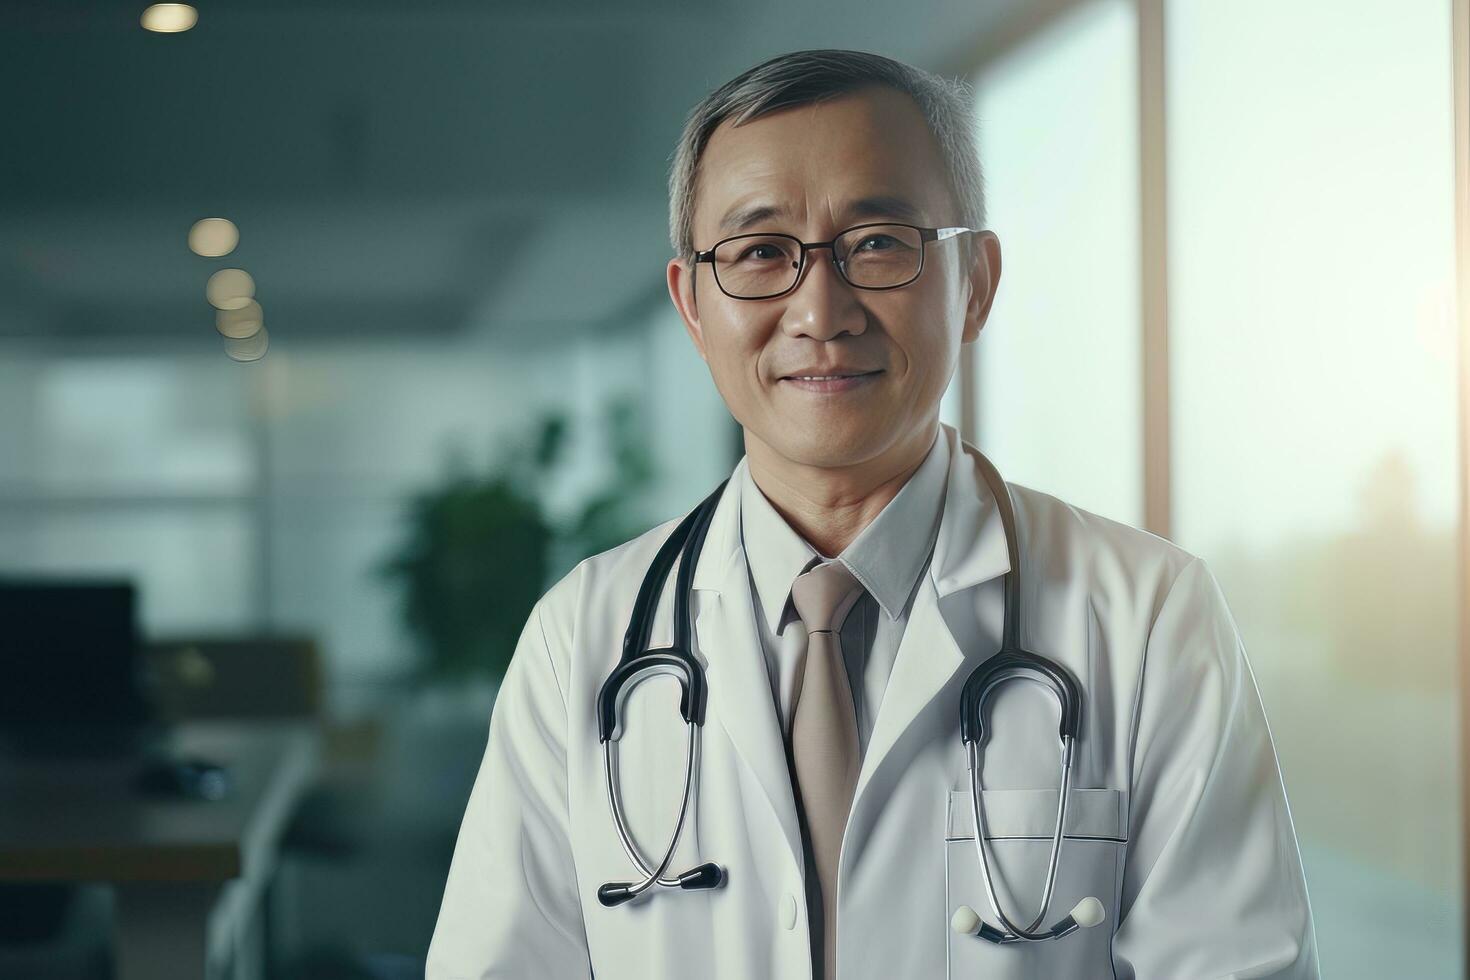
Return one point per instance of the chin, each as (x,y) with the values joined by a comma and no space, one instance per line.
(823,444)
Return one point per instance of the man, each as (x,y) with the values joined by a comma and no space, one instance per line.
(826,216)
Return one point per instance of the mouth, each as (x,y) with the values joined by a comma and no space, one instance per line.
(830,383)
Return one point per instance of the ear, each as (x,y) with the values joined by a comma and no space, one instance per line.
(984,276)
(680,277)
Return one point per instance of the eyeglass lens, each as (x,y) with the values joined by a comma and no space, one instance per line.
(876,256)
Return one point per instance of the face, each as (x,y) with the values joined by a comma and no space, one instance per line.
(863,157)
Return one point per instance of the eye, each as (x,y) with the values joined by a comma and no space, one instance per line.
(876,243)
(763,252)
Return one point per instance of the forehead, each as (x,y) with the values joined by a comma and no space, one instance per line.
(824,159)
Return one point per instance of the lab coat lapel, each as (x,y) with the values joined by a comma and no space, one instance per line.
(970,550)
(739,682)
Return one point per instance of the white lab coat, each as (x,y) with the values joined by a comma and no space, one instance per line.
(1179,823)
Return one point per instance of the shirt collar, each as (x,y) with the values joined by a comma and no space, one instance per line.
(887,556)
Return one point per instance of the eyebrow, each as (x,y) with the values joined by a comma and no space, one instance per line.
(878,206)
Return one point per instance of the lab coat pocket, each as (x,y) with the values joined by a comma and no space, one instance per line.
(1019,824)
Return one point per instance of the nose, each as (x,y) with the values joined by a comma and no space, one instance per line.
(822,305)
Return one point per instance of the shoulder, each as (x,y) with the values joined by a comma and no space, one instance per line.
(1124,568)
(607,580)
(1060,531)
(1160,612)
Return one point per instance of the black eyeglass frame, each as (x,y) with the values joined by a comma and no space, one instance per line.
(926,235)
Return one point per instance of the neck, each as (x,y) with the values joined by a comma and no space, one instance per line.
(830,505)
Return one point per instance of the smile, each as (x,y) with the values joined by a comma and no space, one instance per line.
(831,384)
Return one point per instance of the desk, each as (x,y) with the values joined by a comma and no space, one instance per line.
(189,875)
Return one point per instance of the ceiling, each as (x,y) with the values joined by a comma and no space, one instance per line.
(447,168)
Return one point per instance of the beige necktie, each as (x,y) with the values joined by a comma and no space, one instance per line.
(825,752)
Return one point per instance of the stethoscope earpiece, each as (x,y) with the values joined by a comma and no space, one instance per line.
(1084,915)
(1089,912)
(966,921)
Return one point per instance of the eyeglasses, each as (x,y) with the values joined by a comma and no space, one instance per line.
(872,256)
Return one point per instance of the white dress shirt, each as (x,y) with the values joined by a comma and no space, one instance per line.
(887,557)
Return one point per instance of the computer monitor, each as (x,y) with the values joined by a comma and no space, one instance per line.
(69,657)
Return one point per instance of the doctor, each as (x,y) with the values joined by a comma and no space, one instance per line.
(850,581)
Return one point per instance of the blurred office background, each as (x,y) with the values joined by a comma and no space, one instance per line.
(1227,314)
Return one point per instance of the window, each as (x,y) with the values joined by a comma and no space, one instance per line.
(1059,360)
(1312,339)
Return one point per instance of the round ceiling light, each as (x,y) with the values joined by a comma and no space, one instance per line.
(229,289)
(250,348)
(213,237)
(240,324)
(169,18)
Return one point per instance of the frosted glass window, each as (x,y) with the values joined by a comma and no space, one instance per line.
(355,432)
(1059,386)
(384,419)
(134,466)
(1314,411)
(145,425)
(325,551)
(694,441)
(194,567)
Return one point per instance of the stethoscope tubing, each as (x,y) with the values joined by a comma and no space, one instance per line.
(614,801)
(1014,663)
(628,675)
(1011,663)
(977,790)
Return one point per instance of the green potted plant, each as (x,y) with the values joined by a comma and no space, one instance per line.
(480,547)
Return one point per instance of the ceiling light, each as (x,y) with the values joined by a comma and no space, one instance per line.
(213,237)
(229,289)
(169,18)
(249,349)
(240,324)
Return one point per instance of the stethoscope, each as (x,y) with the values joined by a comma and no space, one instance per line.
(1011,663)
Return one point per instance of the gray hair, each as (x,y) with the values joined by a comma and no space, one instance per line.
(804,77)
